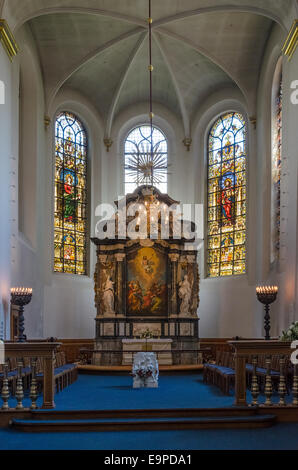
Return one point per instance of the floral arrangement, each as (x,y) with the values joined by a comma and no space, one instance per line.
(147,334)
(143,373)
(291,334)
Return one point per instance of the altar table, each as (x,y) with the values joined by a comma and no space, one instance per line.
(162,347)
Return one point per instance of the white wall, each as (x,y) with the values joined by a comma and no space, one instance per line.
(6,164)
(284,272)
(28,96)
(69,309)
(288,276)
(227,305)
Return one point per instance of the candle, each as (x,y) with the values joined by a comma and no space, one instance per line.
(267,290)
(21,291)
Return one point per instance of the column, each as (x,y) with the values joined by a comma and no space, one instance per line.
(120,284)
(174,257)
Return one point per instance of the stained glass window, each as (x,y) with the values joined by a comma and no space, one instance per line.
(227,196)
(70,220)
(137,159)
(276,172)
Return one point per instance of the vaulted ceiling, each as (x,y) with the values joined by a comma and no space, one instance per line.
(100,49)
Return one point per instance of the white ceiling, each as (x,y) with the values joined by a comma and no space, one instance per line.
(100,48)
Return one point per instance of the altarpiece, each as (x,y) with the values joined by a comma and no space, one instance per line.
(144,285)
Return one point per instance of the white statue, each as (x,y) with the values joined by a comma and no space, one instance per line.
(185,295)
(145,370)
(108,296)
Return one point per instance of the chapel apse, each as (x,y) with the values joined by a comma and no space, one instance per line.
(147,282)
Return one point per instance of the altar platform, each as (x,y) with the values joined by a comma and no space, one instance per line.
(90,369)
(122,360)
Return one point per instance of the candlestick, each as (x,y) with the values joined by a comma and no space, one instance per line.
(21,296)
(266,295)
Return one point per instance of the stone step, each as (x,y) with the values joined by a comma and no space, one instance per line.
(143,423)
(144,413)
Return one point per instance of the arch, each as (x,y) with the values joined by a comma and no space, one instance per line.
(90,56)
(137,21)
(226,196)
(71,195)
(206,54)
(133,116)
(183,111)
(82,10)
(221,9)
(137,148)
(121,83)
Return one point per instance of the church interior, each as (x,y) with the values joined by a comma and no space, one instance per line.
(149,234)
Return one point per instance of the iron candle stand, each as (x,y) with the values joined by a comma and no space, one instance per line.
(21,296)
(267,295)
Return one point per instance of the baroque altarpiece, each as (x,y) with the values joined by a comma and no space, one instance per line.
(146,285)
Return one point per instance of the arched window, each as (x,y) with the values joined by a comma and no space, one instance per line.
(137,159)
(70,219)
(276,162)
(227,196)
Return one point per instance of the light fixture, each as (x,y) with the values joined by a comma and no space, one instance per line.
(266,295)
(148,166)
(21,296)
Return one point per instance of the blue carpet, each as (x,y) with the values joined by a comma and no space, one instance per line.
(279,437)
(175,391)
(101,392)
(116,392)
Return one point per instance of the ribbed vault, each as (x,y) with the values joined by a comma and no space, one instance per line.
(100,49)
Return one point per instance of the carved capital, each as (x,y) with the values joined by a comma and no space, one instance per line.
(174,257)
(108,143)
(120,257)
(253,121)
(47,122)
(187,142)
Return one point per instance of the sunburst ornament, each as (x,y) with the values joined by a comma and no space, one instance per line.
(146,167)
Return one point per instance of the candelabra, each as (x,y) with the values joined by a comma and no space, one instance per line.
(266,295)
(21,296)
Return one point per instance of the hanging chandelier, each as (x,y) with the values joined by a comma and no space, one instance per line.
(148,165)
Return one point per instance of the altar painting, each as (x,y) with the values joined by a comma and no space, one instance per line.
(147,282)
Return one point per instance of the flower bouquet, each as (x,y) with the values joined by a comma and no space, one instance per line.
(291,334)
(145,370)
(147,334)
(143,373)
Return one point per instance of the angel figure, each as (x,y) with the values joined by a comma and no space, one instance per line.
(108,296)
(185,295)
